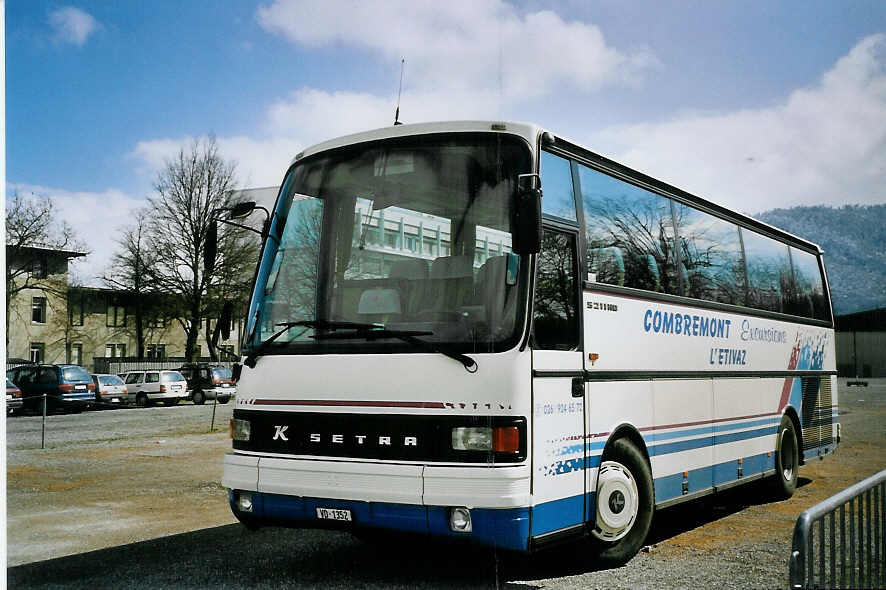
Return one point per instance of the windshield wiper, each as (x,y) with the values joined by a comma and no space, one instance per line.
(408,336)
(259,350)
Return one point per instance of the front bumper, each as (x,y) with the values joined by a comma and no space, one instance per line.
(504,528)
(410,498)
(168,395)
(220,392)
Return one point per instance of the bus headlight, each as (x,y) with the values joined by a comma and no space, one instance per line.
(501,439)
(244,501)
(240,429)
(460,520)
(472,438)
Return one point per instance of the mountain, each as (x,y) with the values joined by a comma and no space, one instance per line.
(853,238)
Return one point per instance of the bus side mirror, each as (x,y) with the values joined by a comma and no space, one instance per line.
(527,230)
(210,248)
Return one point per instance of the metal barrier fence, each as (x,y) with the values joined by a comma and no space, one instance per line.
(841,542)
(115,365)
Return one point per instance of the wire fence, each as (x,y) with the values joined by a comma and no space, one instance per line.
(48,402)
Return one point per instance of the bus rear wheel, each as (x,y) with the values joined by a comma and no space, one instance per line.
(625,504)
(787,460)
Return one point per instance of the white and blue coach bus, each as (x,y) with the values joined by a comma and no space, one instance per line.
(434,347)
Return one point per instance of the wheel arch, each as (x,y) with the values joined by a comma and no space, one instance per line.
(791,413)
(630,432)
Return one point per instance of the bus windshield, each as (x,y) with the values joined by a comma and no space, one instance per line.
(383,242)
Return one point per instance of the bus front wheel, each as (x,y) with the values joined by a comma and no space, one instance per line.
(625,504)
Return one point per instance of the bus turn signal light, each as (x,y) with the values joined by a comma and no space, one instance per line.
(506,439)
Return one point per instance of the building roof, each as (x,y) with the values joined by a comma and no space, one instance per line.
(49,250)
(872,320)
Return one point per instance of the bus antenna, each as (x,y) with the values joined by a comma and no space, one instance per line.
(399,92)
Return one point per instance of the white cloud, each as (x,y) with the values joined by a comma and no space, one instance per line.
(72,25)
(309,116)
(260,162)
(479,45)
(825,144)
(98,220)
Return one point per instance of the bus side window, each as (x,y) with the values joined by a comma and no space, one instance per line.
(555,323)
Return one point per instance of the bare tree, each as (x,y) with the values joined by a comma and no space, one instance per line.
(32,227)
(192,186)
(131,271)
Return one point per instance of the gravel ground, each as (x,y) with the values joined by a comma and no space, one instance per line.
(131,498)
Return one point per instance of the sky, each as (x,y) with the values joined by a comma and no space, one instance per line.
(751,104)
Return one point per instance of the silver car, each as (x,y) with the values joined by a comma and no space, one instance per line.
(109,389)
(147,387)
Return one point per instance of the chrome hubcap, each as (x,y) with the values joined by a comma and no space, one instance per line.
(618,502)
(786,456)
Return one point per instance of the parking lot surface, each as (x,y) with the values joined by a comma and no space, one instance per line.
(131,498)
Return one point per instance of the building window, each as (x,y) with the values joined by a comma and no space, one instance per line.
(155,351)
(115,350)
(38,268)
(76,355)
(116,315)
(38,352)
(38,310)
(75,308)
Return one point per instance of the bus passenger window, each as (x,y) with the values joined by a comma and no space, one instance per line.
(630,234)
(712,256)
(770,282)
(555,317)
(556,181)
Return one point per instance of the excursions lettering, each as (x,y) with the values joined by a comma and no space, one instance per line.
(758,334)
(666,322)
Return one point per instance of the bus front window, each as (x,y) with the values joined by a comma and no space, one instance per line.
(409,234)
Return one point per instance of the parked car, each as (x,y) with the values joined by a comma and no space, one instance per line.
(13,397)
(66,386)
(109,389)
(207,381)
(147,387)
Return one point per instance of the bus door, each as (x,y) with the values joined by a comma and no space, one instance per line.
(558,388)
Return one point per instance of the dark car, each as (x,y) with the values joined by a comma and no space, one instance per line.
(13,397)
(207,381)
(66,386)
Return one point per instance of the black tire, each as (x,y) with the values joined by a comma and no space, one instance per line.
(224,399)
(141,400)
(199,398)
(618,532)
(787,460)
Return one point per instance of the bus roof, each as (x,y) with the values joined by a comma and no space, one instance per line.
(530,132)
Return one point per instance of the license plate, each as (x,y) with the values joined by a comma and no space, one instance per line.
(79,387)
(333,514)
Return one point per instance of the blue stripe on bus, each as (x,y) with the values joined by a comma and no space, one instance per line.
(656,436)
(707,441)
(671,486)
(581,463)
(558,514)
(659,436)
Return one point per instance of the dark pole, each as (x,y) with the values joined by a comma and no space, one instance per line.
(43,431)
